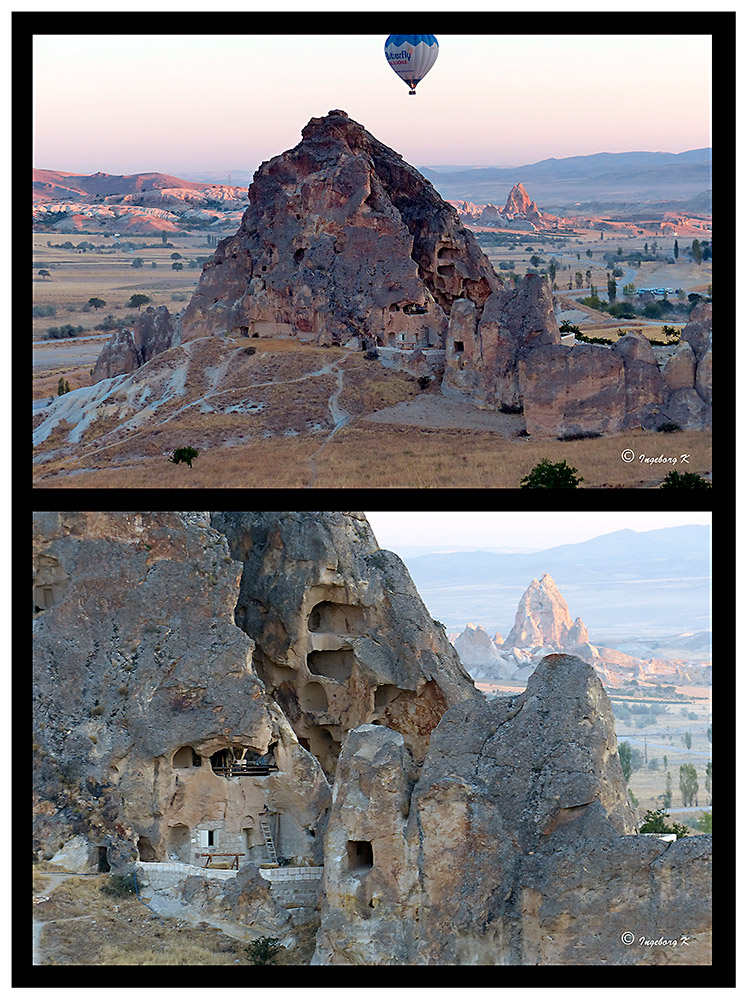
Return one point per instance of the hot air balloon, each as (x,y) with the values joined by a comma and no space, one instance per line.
(411,56)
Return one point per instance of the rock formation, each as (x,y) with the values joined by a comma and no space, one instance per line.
(544,625)
(155,330)
(342,240)
(542,617)
(151,703)
(515,845)
(341,635)
(480,656)
(486,348)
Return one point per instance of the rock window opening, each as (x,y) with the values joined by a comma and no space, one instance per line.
(337,664)
(459,346)
(360,855)
(179,844)
(102,860)
(185,758)
(313,698)
(342,619)
(244,331)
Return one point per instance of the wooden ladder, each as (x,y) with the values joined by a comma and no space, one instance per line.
(269,845)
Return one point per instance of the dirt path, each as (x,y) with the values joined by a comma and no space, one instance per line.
(340,418)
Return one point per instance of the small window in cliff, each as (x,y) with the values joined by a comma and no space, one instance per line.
(103,861)
(459,346)
(185,758)
(360,855)
(313,698)
(244,331)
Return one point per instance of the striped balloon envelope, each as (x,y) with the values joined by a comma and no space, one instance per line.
(411,56)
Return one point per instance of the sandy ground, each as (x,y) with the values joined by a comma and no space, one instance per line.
(440,412)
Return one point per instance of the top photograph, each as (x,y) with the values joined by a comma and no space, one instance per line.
(373,261)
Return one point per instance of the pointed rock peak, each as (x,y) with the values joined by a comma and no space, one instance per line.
(518,201)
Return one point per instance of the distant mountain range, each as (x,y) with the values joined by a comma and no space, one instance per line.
(578,181)
(628,585)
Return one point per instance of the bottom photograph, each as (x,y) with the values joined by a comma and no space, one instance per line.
(348,738)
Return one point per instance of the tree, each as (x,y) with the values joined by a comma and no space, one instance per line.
(696,252)
(547,476)
(163,237)
(667,798)
(62,387)
(535,260)
(656,821)
(624,755)
(708,781)
(578,279)
(687,740)
(177,265)
(176,256)
(138,300)
(96,303)
(552,271)
(705,822)
(709,732)
(611,289)
(685,480)
(689,783)
(137,262)
(44,274)
(263,951)
(676,250)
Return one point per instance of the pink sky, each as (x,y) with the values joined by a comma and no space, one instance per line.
(227,102)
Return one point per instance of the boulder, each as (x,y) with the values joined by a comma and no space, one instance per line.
(680,369)
(703,380)
(579,390)
(119,356)
(687,409)
(634,346)
(698,331)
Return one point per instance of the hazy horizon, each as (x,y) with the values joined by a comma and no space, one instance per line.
(246,173)
(489,100)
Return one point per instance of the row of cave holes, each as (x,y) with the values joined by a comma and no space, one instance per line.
(186,758)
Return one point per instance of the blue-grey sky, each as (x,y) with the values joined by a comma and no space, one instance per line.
(522,530)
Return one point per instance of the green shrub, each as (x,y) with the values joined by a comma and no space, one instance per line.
(549,476)
(668,428)
(119,886)
(685,480)
(263,951)
(183,455)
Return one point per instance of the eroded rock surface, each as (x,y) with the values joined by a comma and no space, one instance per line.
(155,331)
(342,239)
(516,845)
(342,635)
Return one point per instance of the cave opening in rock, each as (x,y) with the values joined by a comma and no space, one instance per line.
(314,698)
(178,843)
(186,758)
(102,860)
(337,664)
(459,346)
(146,850)
(360,855)
(342,619)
